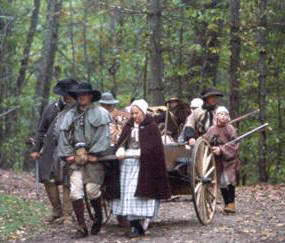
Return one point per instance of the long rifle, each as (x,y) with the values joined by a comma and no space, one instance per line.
(248,133)
(244,116)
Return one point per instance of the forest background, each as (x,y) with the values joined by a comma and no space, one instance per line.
(150,49)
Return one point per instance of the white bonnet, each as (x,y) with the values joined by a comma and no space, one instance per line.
(222,109)
(141,104)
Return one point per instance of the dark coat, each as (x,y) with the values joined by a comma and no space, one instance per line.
(46,143)
(153,178)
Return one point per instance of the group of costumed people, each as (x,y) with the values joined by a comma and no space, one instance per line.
(84,126)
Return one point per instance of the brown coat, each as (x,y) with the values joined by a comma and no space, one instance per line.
(153,178)
(226,162)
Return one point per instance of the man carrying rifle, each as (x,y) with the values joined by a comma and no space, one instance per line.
(226,155)
(202,118)
(51,169)
(84,138)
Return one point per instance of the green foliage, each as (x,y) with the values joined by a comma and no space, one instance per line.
(119,31)
(17,214)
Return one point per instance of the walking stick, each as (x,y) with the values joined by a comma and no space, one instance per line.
(37,178)
(166,121)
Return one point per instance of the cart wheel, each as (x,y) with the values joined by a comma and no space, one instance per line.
(203,181)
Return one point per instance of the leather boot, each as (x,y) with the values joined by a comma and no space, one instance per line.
(98,217)
(136,229)
(78,207)
(230,208)
(54,198)
(66,205)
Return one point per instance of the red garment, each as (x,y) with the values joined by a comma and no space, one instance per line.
(226,162)
(153,178)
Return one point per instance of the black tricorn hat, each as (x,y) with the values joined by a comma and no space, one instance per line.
(63,86)
(210,92)
(84,88)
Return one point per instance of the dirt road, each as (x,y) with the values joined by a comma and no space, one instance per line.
(260,217)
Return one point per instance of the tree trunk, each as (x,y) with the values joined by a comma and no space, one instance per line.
(156,53)
(29,42)
(86,57)
(235,57)
(262,91)
(49,51)
(72,40)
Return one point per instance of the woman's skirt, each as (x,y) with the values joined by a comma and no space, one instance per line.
(133,208)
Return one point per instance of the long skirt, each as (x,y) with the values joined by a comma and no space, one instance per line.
(133,208)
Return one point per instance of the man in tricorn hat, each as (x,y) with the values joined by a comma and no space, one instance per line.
(51,170)
(84,138)
(119,117)
(201,119)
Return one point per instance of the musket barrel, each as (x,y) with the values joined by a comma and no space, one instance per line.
(248,133)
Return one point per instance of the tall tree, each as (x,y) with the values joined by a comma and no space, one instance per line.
(48,51)
(27,49)
(262,39)
(156,53)
(235,57)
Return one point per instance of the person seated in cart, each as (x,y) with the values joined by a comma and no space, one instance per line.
(198,122)
(178,112)
(226,155)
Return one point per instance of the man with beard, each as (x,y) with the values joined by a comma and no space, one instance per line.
(198,122)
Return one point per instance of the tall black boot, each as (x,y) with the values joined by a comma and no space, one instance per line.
(231,193)
(230,207)
(78,207)
(225,193)
(98,217)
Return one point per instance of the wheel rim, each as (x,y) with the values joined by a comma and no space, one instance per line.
(203,181)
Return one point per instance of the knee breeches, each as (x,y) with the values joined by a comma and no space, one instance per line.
(78,181)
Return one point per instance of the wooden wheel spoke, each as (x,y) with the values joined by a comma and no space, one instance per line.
(199,195)
(212,169)
(205,160)
(198,186)
(208,160)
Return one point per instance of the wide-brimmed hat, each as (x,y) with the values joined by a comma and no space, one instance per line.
(63,86)
(173,98)
(83,88)
(108,99)
(210,92)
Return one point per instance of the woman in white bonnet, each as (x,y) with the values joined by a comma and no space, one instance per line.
(226,155)
(143,177)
